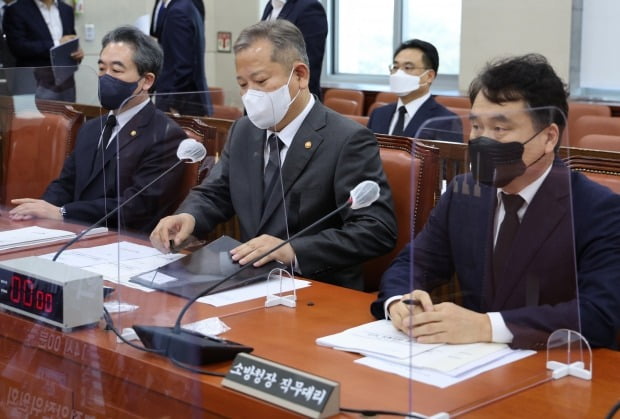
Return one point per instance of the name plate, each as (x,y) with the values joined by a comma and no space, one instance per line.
(295,390)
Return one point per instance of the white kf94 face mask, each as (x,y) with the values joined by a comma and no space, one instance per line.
(402,83)
(266,109)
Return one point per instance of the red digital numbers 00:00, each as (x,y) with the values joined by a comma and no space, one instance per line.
(23,293)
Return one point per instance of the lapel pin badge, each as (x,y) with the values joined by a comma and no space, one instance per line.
(133,133)
(308,145)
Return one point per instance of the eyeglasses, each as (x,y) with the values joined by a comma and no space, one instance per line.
(407,68)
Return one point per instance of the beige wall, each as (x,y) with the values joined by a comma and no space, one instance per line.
(494,28)
(221,15)
(490,28)
(106,15)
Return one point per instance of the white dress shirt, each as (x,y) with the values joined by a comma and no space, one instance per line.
(51,16)
(412,107)
(277,8)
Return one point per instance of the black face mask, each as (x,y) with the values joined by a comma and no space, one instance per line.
(494,163)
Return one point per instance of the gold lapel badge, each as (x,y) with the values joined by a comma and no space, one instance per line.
(308,145)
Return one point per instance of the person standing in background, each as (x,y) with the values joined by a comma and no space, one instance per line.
(178,26)
(32,27)
(309,16)
(6,58)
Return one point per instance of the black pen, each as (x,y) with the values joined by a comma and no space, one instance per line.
(411,302)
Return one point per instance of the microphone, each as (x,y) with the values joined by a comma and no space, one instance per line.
(188,151)
(192,348)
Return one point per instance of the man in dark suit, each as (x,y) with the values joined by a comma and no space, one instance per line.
(309,16)
(178,26)
(144,139)
(30,36)
(535,247)
(411,75)
(324,156)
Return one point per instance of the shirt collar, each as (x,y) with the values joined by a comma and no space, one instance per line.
(288,132)
(530,190)
(413,106)
(125,116)
(43,5)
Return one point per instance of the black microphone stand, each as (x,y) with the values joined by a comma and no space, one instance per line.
(193,348)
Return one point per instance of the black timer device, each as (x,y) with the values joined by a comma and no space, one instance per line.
(51,292)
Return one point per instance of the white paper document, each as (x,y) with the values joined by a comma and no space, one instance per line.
(28,236)
(440,365)
(117,262)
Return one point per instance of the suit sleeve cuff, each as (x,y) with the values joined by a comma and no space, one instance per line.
(387,304)
(499,331)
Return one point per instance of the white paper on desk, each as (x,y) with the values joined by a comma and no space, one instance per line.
(452,359)
(118,262)
(378,337)
(436,378)
(107,253)
(28,236)
(248,292)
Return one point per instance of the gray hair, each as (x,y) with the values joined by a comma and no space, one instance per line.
(287,40)
(147,54)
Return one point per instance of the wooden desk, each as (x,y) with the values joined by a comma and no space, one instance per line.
(88,373)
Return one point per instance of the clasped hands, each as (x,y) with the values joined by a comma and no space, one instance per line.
(417,316)
(178,228)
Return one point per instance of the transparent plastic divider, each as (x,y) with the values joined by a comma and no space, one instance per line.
(161,290)
(452,258)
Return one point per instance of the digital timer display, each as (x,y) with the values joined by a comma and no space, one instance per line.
(35,296)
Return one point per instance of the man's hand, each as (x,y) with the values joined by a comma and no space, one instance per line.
(78,54)
(411,304)
(28,208)
(175,227)
(439,323)
(260,245)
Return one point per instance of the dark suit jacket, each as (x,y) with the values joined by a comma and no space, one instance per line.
(537,294)
(27,33)
(182,38)
(147,146)
(309,16)
(442,129)
(328,157)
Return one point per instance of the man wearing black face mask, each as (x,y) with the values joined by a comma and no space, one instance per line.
(146,141)
(535,247)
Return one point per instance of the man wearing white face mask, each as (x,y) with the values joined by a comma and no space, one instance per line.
(411,74)
(321,154)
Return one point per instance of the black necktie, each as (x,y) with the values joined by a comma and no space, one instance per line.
(272,170)
(399,128)
(110,123)
(507,233)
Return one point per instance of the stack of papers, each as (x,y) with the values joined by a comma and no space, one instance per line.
(28,236)
(117,262)
(440,365)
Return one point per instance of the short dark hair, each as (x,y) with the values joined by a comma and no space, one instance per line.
(287,40)
(147,54)
(529,78)
(430,56)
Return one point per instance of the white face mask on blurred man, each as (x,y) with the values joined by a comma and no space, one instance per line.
(403,83)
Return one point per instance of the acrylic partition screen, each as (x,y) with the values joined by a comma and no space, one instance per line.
(493,270)
(60,353)
(49,119)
